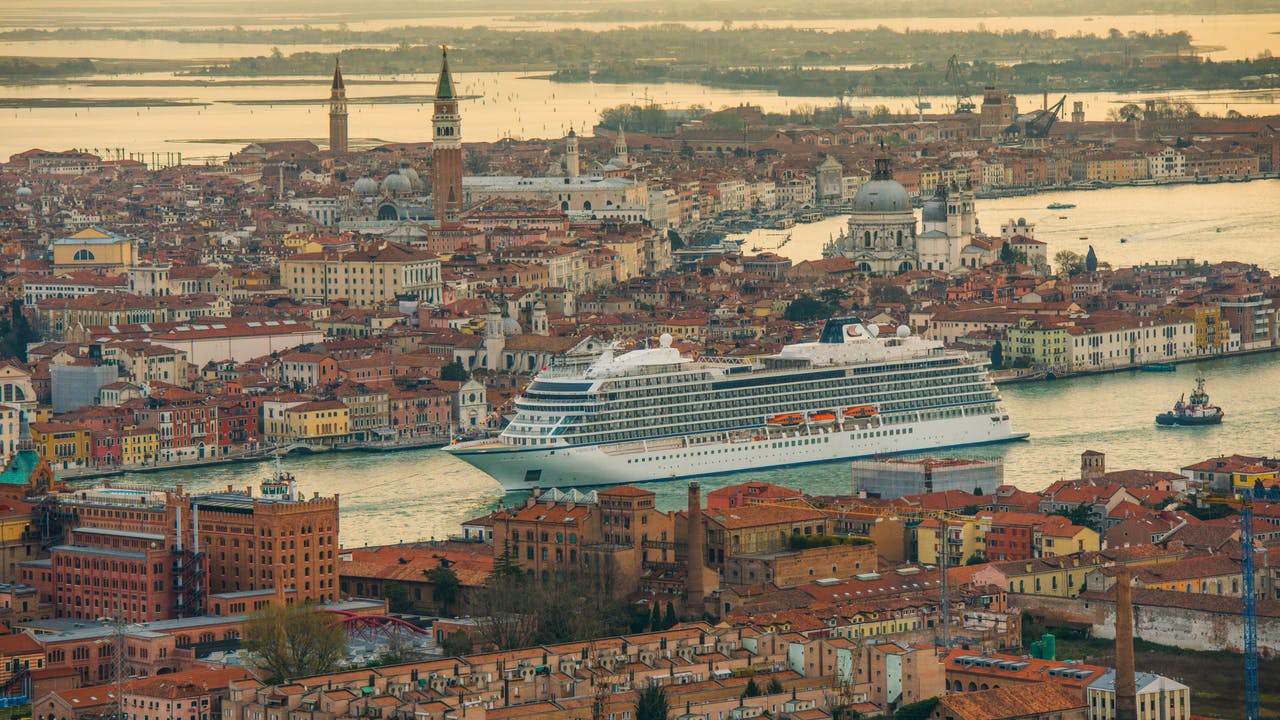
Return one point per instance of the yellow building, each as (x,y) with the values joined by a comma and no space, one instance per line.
(964,539)
(366,277)
(323,420)
(62,444)
(139,445)
(1043,344)
(1213,334)
(1249,476)
(94,249)
(1116,167)
(1054,539)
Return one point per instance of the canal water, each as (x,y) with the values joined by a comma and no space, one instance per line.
(420,494)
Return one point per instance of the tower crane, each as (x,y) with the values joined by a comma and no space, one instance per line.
(959,85)
(1249,609)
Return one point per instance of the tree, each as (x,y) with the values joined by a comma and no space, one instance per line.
(454,372)
(652,704)
(1129,112)
(917,710)
(888,293)
(445,587)
(806,309)
(1091,261)
(655,622)
(1069,263)
(1080,515)
(752,689)
(975,559)
(669,621)
(397,597)
(686,150)
(456,644)
(294,641)
(997,356)
(775,687)
(1010,255)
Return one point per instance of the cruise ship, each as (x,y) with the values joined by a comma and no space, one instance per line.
(652,414)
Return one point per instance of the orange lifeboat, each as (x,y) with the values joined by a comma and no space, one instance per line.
(860,411)
(786,420)
(822,418)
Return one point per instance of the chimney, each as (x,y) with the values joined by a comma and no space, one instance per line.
(697,554)
(1126,687)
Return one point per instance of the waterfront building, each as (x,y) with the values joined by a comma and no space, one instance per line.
(62,445)
(337,113)
(373,276)
(275,541)
(892,478)
(446,148)
(324,422)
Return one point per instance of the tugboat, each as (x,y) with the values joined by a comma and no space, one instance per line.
(1196,411)
(1061,206)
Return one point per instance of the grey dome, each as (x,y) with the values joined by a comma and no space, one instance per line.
(415,181)
(24,191)
(510,326)
(882,196)
(935,210)
(396,183)
(365,186)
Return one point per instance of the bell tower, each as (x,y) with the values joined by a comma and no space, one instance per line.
(571,162)
(338,112)
(446,147)
(620,150)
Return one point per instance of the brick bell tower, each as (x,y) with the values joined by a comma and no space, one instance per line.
(446,147)
(338,112)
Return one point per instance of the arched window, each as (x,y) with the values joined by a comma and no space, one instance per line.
(586,204)
(83,255)
(899,238)
(866,239)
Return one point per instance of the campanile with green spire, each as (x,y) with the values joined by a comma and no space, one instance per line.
(446,147)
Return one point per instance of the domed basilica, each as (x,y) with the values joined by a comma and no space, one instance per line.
(881,237)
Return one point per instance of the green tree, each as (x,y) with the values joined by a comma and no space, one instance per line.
(806,309)
(1080,515)
(456,644)
(752,689)
(445,587)
(686,150)
(669,620)
(917,710)
(652,704)
(294,641)
(975,559)
(1010,255)
(997,356)
(454,372)
(884,293)
(655,622)
(775,687)
(1069,263)
(397,597)
(1091,261)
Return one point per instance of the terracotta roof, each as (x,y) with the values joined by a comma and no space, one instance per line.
(1015,701)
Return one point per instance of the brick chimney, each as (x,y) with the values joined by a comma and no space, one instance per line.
(1126,688)
(697,554)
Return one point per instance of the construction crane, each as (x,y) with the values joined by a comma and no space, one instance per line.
(1249,610)
(959,85)
(1037,124)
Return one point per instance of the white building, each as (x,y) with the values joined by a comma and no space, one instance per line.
(236,340)
(588,196)
(324,210)
(1117,342)
(1168,164)
(1159,698)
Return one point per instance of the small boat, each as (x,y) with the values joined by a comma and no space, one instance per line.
(1061,206)
(1195,411)
(859,411)
(1062,217)
(1084,237)
(1124,240)
(822,418)
(785,420)
(1160,367)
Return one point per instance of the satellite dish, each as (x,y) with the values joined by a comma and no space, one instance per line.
(903,331)
(873,330)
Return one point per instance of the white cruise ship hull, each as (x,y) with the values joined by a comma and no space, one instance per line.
(631,462)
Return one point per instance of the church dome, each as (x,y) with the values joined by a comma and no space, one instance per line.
(365,186)
(935,210)
(882,196)
(24,192)
(510,326)
(415,182)
(395,183)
